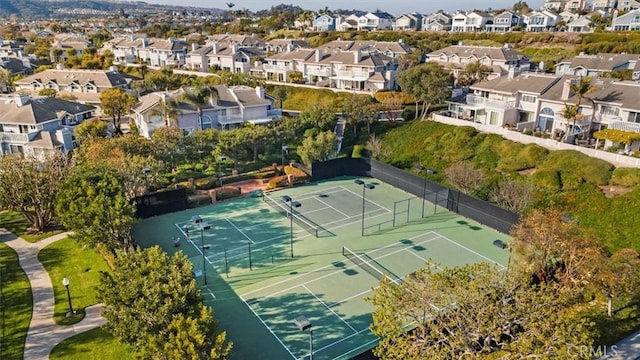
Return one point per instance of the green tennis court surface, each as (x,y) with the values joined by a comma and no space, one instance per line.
(257,288)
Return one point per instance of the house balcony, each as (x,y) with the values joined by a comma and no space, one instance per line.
(274,113)
(318,72)
(352,75)
(277,68)
(230,119)
(480,101)
(14,138)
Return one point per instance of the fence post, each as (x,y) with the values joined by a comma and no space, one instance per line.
(226,264)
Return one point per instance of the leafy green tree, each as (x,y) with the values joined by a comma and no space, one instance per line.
(619,275)
(168,111)
(428,83)
(90,130)
(473,72)
(198,97)
(152,302)
(473,312)
(584,88)
(320,148)
(572,114)
(354,110)
(321,117)
(5,80)
(30,185)
(48,92)
(115,103)
(92,203)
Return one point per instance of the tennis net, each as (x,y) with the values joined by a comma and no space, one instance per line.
(365,265)
(284,210)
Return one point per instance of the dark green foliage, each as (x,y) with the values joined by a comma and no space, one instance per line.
(592,170)
(486,156)
(359,151)
(547,180)
(515,156)
(625,177)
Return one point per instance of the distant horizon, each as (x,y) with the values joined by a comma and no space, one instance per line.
(368,5)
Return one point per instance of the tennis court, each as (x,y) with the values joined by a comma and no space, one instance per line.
(257,288)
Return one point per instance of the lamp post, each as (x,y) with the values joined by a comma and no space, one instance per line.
(285,149)
(303,325)
(146,171)
(203,226)
(220,173)
(365,186)
(292,204)
(420,169)
(65,282)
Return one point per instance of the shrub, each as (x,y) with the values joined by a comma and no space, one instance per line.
(528,132)
(358,151)
(625,177)
(278,181)
(310,132)
(198,200)
(227,192)
(206,183)
(592,170)
(570,181)
(547,179)
(184,175)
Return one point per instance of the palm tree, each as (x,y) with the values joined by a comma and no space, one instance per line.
(583,88)
(168,110)
(571,113)
(199,98)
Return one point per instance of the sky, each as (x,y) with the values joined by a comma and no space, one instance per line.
(395,8)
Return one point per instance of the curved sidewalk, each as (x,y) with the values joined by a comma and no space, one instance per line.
(44,334)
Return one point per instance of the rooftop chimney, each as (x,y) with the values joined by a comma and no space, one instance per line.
(356,56)
(319,55)
(216,47)
(194,46)
(22,99)
(566,90)
(260,92)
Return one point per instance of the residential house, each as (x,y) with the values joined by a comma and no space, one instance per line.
(244,41)
(597,65)
(152,51)
(229,107)
(375,21)
(347,23)
(604,5)
(575,5)
(505,22)
(324,22)
(581,25)
(224,56)
(500,59)
(437,21)
(568,16)
(83,85)
(390,48)
(626,22)
(628,5)
(408,22)
(543,20)
(33,126)
(65,45)
(560,5)
(281,45)
(281,66)
(470,22)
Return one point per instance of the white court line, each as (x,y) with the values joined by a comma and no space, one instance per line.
(466,248)
(351,297)
(211,293)
(367,200)
(268,328)
(330,274)
(343,214)
(328,308)
(359,347)
(241,232)
(332,265)
(341,340)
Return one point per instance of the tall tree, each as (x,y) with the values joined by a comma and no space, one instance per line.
(473,72)
(354,110)
(91,130)
(168,110)
(92,203)
(584,88)
(619,275)
(115,103)
(320,148)
(572,114)
(472,312)
(30,185)
(465,176)
(5,80)
(428,83)
(153,303)
(198,97)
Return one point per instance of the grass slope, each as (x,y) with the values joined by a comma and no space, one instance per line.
(16,305)
(95,344)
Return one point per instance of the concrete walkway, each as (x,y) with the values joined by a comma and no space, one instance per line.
(44,334)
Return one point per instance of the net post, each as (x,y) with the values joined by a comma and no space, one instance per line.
(394,213)
(343,253)
(435,204)
(226,264)
(250,263)
(408,209)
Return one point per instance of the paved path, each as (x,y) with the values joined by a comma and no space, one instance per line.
(44,333)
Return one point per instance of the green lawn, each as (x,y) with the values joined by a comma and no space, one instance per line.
(16,304)
(65,258)
(16,223)
(91,345)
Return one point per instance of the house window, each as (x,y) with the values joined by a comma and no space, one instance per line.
(636,19)
(609,110)
(634,117)
(545,119)
(493,118)
(528,98)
